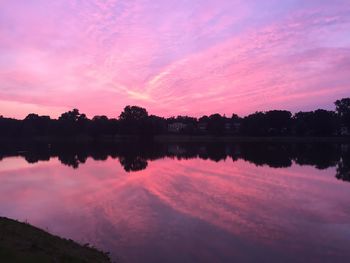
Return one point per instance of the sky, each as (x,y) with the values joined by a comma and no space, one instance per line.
(173,57)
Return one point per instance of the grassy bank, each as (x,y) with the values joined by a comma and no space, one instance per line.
(21,242)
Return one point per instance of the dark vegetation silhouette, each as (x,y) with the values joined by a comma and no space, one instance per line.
(135,156)
(135,121)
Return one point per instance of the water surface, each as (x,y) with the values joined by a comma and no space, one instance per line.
(186,203)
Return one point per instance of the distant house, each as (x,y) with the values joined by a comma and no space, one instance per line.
(344,148)
(236,127)
(203,126)
(232,127)
(176,127)
(176,149)
(228,126)
(344,131)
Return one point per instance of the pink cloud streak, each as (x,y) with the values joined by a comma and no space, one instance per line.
(172,57)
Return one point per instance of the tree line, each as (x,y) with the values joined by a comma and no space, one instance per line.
(135,120)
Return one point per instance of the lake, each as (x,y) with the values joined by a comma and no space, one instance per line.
(189,202)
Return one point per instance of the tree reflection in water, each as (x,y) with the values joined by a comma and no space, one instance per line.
(135,156)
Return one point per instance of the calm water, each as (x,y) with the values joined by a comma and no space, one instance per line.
(186,203)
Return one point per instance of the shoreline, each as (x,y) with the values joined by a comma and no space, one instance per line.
(295,139)
(176,138)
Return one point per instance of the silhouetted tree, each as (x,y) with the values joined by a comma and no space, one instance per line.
(254,124)
(343,111)
(316,123)
(343,167)
(34,125)
(133,113)
(275,122)
(320,155)
(10,127)
(133,164)
(133,120)
(216,124)
(101,125)
(156,125)
(72,123)
(236,122)
(272,154)
(278,122)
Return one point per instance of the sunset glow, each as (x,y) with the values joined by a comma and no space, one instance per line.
(172,57)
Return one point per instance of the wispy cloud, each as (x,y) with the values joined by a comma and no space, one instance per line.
(173,57)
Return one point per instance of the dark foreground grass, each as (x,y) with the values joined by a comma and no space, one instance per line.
(21,242)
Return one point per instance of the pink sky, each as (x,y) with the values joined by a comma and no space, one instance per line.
(172,57)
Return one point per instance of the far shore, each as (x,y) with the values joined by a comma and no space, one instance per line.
(173,138)
(186,138)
